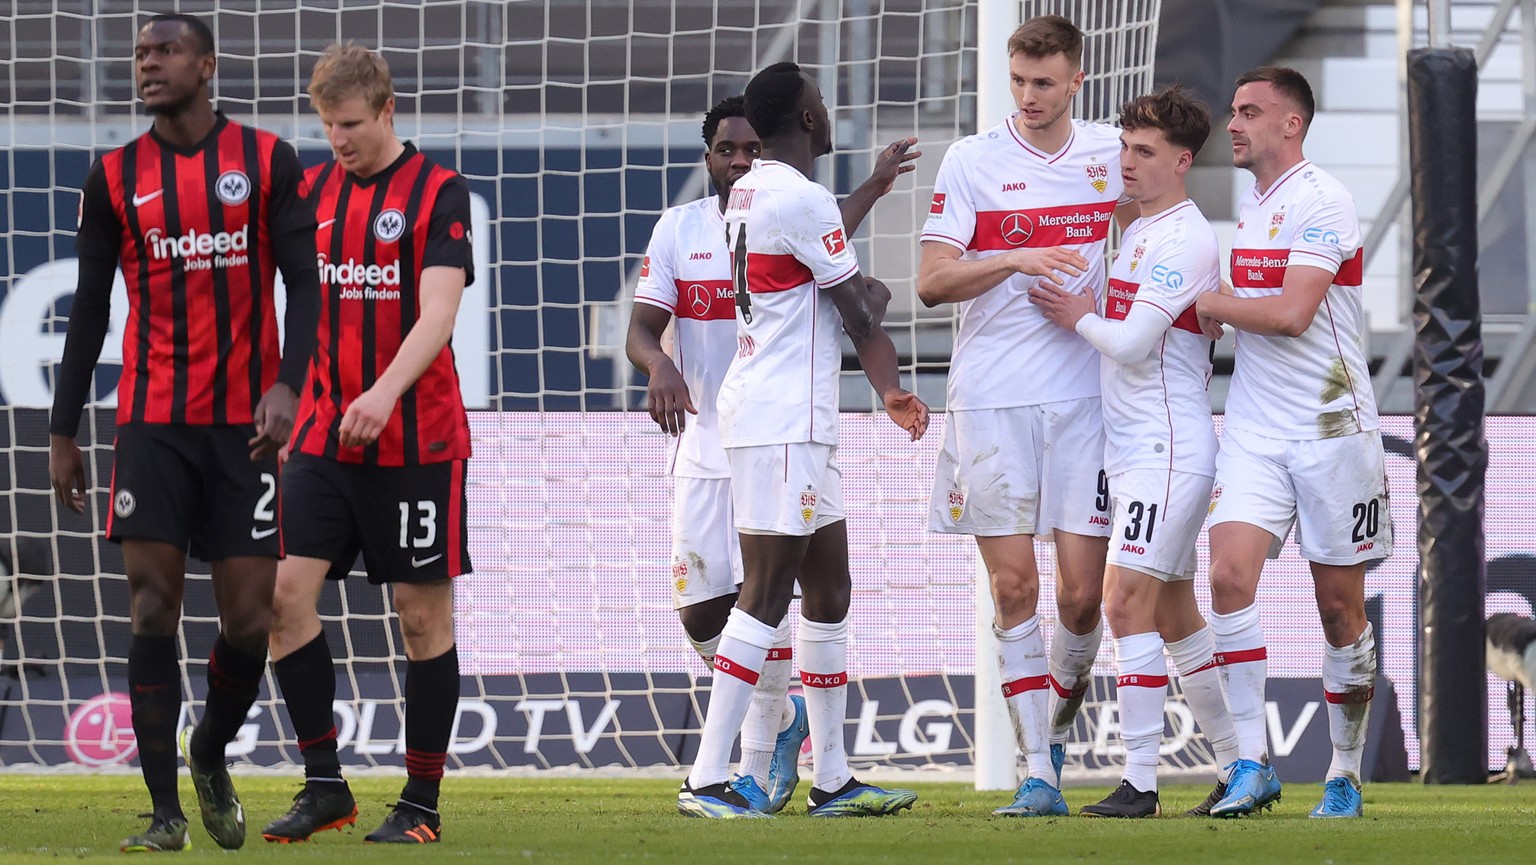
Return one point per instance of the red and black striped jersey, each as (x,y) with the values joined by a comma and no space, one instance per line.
(376,235)
(192,230)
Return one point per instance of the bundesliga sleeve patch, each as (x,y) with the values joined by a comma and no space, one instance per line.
(645,266)
(834,242)
(937,208)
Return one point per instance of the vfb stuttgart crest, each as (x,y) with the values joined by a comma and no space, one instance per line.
(956,505)
(1276,219)
(1098,175)
(680,575)
(808,505)
(1141,250)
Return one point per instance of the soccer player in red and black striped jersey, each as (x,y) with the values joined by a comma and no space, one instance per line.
(379,449)
(199,212)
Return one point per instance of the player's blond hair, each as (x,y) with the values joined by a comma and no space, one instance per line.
(1047,35)
(348,71)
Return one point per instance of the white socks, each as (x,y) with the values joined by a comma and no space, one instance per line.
(765,712)
(1071,671)
(1142,688)
(1243,660)
(1194,659)
(706,648)
(824,673)
(1349,677)
(744,646)
(1021,657)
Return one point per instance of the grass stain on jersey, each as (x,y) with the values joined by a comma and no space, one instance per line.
(1336,382)
(1336,424)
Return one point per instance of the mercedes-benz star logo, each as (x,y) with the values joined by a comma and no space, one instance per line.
(698,298)
(1017,228)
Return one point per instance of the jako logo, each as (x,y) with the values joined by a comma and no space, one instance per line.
(195,242)
(699,256)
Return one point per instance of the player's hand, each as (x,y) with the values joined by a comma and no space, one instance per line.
(67,470)
(1048,262)
(1060,306)
(1213,327)
(909,412)
(273,420)
(366,417)
(892,162)
(668,399)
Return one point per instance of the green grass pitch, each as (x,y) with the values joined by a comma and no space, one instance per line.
(63,818)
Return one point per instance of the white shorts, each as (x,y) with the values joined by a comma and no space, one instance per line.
(1027,470)
(706,553)
(790,489)
(1158,515)
(1334,490)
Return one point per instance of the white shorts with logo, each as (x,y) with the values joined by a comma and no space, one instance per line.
(1158,515)
(787,489)
(1333,490)
(706,553)
(1027,470)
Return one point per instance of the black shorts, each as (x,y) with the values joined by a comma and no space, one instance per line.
(409,522)
(195,487)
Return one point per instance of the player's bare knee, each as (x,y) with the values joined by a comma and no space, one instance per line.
(248,634)
(705,621)
(1232,584)
(1342,618)
(1016,594)
(156,609)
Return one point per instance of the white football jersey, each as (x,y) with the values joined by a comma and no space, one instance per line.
(687,272)
(787,243)
(996,193)
(1157,413)
(1316,385)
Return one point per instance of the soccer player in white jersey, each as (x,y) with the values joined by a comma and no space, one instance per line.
(797,285)
(1160,448)
(1301,443)
(1029,198)
(686,274)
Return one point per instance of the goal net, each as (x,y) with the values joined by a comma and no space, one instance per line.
(576,123)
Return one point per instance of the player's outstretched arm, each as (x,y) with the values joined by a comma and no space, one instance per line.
(440,291)
(860,298)
(667,394)
(291,225)
(943,277)
(1127,341)
(1288,313)
(894,161)
(89,318)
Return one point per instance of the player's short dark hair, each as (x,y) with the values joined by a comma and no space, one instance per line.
(1290,84)
(773,99)
(1183,119)
(202,34)
(1047,35)
(730,106)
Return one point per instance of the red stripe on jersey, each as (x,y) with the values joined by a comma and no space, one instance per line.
(768,273)
(201,342)
(705,300)
(1349,698)
(1042,226)
(785,654)
(1352,272)
(1063,691)
(1243,656)
(731,668)
(1117,304)
(1265,268)
(823,680)
(1137,680)
(1259,268)
(1020,686)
